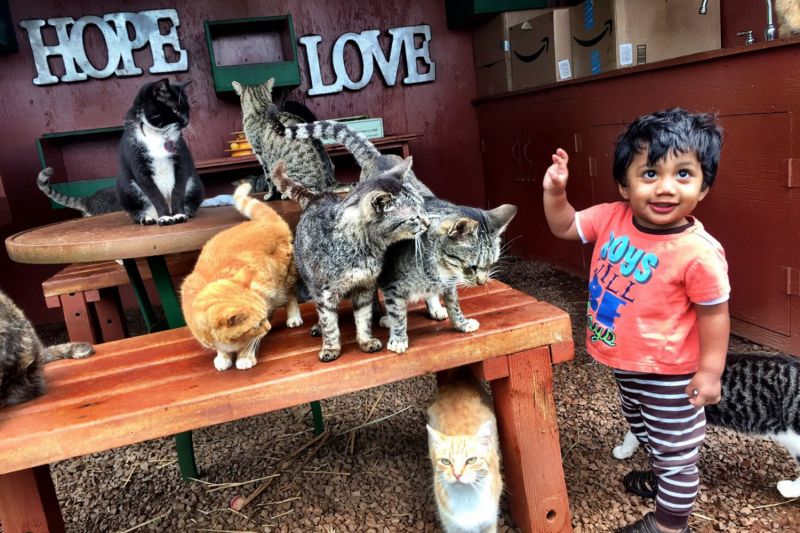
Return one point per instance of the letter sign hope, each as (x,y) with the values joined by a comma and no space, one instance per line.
(370,49)
(120,46)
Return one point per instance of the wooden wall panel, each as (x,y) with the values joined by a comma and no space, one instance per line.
(447,157)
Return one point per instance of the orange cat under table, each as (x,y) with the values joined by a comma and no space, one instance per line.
(142,388)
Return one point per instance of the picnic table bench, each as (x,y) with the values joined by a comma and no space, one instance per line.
(141,388)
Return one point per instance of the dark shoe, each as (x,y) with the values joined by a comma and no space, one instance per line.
(646,524)
(643,483)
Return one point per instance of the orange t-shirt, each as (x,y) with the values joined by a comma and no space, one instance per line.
(643,287)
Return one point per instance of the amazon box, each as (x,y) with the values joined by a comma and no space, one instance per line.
(610,34)
(540,50)
(491,49)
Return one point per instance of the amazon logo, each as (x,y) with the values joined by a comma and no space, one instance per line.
(588,43)
(532,57)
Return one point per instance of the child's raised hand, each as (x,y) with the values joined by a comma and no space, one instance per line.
(555,179)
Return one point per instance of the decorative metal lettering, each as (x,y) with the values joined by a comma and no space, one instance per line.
(120,46)
(403,40)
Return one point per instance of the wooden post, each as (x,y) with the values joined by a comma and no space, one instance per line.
(77,318)
(28,502)
(526,418)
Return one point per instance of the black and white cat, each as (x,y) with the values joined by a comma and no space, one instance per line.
(157,182)
(760,397)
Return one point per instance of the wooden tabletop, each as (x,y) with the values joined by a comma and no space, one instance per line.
(115,236)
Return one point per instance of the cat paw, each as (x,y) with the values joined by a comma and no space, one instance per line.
(316,331)
(438,314)
(179,219)
(397,344)
(294,321)
(326,355)
(384,322)
(222,363)
(147,221)
(82,350)
(789,488)
(370,345)
(469,325)
(621,452)
(243,363)
(165,220)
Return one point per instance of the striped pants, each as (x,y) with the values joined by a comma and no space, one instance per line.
(672,430)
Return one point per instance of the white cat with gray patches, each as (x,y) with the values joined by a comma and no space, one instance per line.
(760,397)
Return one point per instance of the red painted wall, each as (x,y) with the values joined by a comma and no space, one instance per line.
(447,158)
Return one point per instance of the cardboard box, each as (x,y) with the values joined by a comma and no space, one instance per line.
(541,51)
(491,50)
(609,34)
(493,79)
(490,41)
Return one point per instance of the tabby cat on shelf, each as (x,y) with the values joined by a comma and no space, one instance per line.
(22,355)
(307,162)
(243,274)
(340,245)
(103,201)
(461,246)
(465,454)
(760,397)
(788,15)
(157,182)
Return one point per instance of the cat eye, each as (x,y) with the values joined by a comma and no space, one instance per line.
(445,462)
(471,460)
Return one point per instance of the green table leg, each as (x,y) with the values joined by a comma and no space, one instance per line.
(142,298)
(316,412)
(172,311)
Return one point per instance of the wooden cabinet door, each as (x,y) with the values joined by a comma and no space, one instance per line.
(749,211)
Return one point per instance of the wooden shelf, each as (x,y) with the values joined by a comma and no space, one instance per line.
(251,51)
(221,164)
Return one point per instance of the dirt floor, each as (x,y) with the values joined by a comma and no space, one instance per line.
(383,482)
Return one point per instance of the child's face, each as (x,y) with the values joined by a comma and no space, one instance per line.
(664,194)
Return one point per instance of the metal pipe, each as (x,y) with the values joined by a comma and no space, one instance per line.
(703,7)
(769,31)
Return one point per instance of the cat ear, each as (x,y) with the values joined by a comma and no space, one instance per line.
(486,433)
(380,200)
(459,228)
(184,84)
(237,87)
(270,83)
(434,435)
(402,169)
(232,320)
(501,216)
(161,87)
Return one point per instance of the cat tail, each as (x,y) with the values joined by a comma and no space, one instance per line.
(69,350)
(356,143)
(73,202)
(252,208)
(288,188)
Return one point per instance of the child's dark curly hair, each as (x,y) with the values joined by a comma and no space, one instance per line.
(672,131)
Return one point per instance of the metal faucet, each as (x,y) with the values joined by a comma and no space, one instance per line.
(769,31)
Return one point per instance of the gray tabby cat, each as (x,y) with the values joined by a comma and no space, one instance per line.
(307,162)
(340,243)
(460,248)
(22,355)
(761,397)
(103,201)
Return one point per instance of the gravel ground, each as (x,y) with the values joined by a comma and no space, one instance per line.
(383,484)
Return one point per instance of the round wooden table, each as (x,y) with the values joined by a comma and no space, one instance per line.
(114,236)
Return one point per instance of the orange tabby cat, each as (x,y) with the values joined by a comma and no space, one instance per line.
(464,450)
(243,274)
